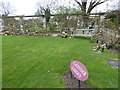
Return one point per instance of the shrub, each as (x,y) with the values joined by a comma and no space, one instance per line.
(41,30)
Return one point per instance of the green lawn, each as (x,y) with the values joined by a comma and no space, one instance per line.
(27,60)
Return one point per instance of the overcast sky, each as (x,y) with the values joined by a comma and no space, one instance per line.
(28,7)
(23,7)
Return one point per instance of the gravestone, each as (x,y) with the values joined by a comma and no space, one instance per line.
(114,63)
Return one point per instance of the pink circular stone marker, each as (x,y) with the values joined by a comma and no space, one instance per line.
(79,70)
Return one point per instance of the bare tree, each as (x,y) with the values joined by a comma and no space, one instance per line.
(46,7)
(6,8)
(87,6)
(92,4)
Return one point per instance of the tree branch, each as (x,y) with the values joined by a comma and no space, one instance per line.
(6,8)
(79,5)
(94,4)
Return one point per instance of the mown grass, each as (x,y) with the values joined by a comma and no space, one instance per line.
(39,62)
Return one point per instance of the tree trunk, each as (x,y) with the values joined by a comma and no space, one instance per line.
(85,19)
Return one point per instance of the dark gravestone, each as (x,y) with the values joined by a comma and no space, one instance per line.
(114,63)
